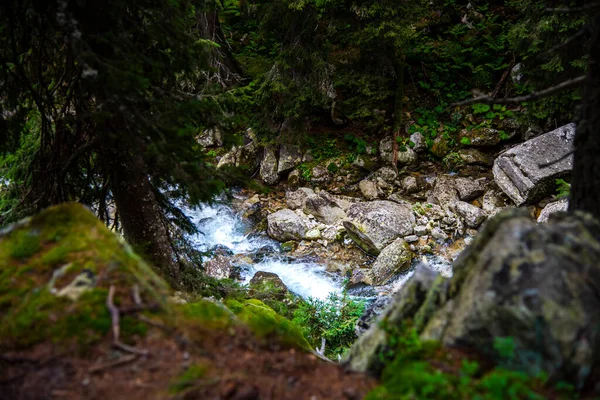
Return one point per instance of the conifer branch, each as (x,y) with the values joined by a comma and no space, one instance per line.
(481,98)
(587,7)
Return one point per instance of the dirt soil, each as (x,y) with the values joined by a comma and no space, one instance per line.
(238,366)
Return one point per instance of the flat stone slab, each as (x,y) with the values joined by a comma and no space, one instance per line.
(526,173)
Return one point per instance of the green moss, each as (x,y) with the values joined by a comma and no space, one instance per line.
(263,321)
(187,379)
(25,244)
(208,314)
(45,254)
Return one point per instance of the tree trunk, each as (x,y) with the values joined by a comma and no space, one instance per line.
(139,213)
(585,182)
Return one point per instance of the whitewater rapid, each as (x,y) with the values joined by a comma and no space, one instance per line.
(221,226)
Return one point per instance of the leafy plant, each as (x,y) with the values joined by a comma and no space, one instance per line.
(563,188)
(332,319)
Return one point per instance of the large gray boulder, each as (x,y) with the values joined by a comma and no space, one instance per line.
(210,138)
(268,167)
(527,172)
(535,283)
(285,225)
(219,267)
(393,259)
(290,156)
(375,224)
(473,216)
(368,189)
(323,209)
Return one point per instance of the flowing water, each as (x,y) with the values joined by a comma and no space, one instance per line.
(222,227)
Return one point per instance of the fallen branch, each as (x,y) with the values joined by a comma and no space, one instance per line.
(482,98)
(120,361)
(116,329)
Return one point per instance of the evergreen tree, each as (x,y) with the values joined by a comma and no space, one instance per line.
(101,103)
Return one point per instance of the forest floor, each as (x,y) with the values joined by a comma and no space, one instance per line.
(231,365)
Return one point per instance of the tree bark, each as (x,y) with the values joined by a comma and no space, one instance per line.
(140,215)
(585,181)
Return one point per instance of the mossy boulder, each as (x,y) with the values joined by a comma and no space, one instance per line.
(536,284)
(264,322)
(57,268)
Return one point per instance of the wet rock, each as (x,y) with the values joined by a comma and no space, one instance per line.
(474,156)
(368,189)
(551,208)
(419,143)
(323,209)
(374,225)
(285,225)
(295,199)
(467,188)
(219,267)
(268,166)
(290,156)
(473,216)
(262,280)
(527,172)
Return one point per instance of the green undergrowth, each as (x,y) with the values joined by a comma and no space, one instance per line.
(425,370)
(188,378)
(264,322)
(57,268)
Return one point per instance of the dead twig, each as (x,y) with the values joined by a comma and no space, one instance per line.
(120,361)
(116,329)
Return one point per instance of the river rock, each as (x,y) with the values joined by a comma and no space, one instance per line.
(263,280)
(542,295)
(473,216)
(218,267)
(268,166)
(393,259)
(523,172)
(373,225)
(290,156)
(324,210)
(368,189)
(293,178)
(468,188)
(295,199)
(551,208)
(444,192)
(285,225)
